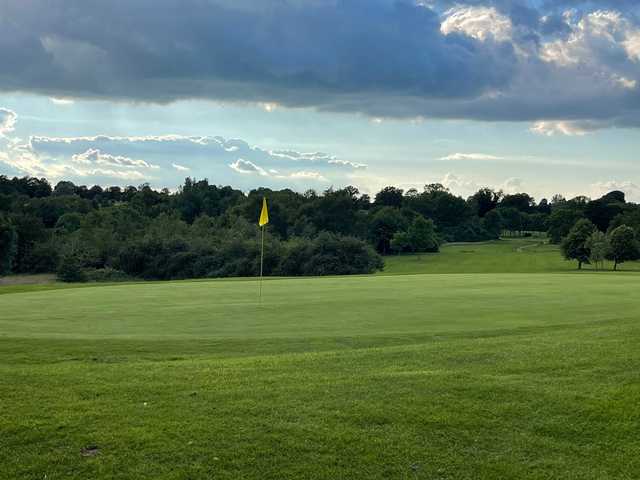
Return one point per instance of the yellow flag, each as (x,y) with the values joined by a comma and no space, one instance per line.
(264,214)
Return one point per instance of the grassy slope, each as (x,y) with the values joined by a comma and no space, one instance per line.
(519,255)
(415,376)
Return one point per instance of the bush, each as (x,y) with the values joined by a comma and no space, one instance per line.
(106,274)
(71,269)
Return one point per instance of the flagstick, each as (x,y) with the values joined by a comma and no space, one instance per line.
(261,263)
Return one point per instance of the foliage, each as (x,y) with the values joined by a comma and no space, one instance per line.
(598,246)
(8,245)
(421,236)
(574,246)
(206,230)
(71,268)
(624,245)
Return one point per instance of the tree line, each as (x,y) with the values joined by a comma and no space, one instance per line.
(206,230)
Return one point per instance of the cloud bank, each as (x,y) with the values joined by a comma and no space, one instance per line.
(162,160)
(492,60)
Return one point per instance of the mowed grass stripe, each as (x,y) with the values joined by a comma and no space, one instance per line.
(558,404)
(319,307)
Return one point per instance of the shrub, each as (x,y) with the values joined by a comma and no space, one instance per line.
(71,269)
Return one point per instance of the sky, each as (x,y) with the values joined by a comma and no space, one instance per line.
(521,95)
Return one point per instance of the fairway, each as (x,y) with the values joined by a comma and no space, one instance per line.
(408,376)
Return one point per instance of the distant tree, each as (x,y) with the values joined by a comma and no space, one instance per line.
(8,246)
(601,212)
(484,200)
(624,245)
(512,219)
(574,246)
(615,196)
(560,222)
(389,197)
(520,201)
(71,269)
(384,225)
(492,223)
(598,246)
(419,237)
(544,207)
(64,188)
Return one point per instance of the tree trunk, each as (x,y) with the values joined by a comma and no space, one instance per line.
(615,265)
(579,265)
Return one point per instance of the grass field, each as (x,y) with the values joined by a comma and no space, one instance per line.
(514,255)
(450,376)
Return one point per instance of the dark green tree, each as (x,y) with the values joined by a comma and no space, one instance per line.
(8,246)
(623,246)
(574,246)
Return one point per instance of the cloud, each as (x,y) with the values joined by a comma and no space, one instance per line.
(512,185)
(245,166)
(470,156)
(7,121)
(481,23)
(61,101)
(95,156)
(567,128)
(489,60)
(107,159)
(180,168)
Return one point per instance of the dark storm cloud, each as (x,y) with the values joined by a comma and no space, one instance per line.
(378,57)
(292,53)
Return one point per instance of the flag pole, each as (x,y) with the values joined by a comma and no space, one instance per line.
(261,263)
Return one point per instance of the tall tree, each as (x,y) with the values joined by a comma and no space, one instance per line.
(389,197)
(484,200)
(574,246)
(598,246)
(624,245)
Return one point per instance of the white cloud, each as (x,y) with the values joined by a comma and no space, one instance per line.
(471,156)
(95,156)
(550,128)
(61,101)
(180,168)
(598,33)
(630,189)
(7,121)
(482,23)
(246,166)
(512,185)
(459,185)
(307,175)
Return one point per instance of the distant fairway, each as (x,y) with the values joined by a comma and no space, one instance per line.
(513,255)
(453,376)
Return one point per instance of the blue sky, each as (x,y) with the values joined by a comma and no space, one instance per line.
(542,97)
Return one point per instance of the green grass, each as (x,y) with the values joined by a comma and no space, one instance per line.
(512,255)
(452,376)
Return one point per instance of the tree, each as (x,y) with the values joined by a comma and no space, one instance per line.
(492,223)
(384,224)
(512,219)
(389,197)
(560,222)
(624,245)
(598,246)
(484,201)
(574,246)
(70,269)
(420,237)
(8,246)
(520,201)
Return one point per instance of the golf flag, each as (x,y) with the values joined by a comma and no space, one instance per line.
(264,214)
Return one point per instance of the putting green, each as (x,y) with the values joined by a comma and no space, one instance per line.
(452,376)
